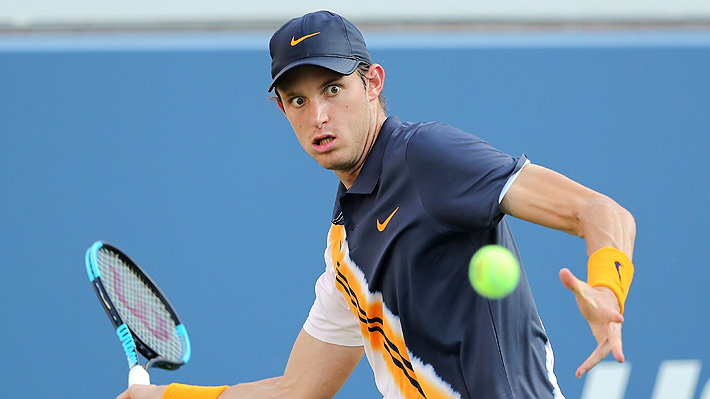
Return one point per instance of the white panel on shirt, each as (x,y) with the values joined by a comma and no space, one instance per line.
(330,319)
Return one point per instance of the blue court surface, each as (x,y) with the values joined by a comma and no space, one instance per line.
(167,146)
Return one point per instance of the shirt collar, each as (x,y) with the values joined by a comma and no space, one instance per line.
(370,172)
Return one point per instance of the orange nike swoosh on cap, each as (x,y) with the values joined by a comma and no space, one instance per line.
(295,41)
(381,226)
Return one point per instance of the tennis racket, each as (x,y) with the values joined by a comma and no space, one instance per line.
(144,320)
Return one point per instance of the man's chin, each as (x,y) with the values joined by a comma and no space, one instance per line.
(336,166)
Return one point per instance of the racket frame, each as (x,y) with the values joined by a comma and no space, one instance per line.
(132,344)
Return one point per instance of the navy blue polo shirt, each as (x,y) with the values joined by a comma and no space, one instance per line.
(427,197)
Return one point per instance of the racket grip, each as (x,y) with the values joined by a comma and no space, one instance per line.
(138,375)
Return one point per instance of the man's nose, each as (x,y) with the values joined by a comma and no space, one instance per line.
(319,114)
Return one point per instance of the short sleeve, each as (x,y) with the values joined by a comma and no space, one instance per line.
(330,318)
(458,176)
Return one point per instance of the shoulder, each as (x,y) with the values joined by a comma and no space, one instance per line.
(436,143)
(429,132)
(430,140)
(428,148)
(451,169)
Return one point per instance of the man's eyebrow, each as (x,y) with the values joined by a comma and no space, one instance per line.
(292,92)
(332,80)
(284,93)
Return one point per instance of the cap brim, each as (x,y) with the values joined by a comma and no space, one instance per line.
(344,66)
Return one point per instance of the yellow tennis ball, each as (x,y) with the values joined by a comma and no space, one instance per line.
(494,271)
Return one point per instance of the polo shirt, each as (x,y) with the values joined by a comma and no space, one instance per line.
(396,279)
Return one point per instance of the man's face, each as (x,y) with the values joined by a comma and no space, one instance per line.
(331,116)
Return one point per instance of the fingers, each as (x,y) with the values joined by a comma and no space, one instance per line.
(599,353)
(600,302)
(611,315)
(597,356)
(569,280)
(616,343)
(575,285)
(612,344)
(138,391)
(618,353)
(600,307)
(579,288)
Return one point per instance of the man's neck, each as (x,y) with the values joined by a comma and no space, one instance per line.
(348,177)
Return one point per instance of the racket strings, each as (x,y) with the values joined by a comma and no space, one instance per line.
(140,308)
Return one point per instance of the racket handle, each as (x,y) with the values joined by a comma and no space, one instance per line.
(138,375)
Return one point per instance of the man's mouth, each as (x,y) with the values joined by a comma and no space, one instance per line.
(323,144)
(324,141)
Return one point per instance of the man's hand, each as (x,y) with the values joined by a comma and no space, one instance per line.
(601,309)
(138,391)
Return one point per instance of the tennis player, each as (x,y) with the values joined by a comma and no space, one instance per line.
(415,201)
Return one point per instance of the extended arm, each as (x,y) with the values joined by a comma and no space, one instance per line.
(547,198)
(314,370)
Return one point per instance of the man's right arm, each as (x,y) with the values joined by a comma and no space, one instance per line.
(315,369)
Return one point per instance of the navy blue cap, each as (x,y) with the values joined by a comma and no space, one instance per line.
(320,38)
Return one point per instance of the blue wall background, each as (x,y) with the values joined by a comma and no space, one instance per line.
(168,147)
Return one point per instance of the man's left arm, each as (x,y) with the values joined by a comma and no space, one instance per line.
(547,198)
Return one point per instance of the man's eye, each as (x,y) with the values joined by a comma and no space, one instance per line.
(297,101)
(333,89)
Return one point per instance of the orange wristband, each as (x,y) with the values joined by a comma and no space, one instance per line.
(181,391)
(611,268)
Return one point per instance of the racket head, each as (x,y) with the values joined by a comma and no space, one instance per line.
(142,315)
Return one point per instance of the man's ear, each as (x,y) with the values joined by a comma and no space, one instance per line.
(281,106)
(376,80)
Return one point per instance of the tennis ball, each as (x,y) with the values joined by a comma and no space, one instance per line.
(494,271)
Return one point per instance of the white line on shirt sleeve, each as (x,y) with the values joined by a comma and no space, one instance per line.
(510,182)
